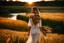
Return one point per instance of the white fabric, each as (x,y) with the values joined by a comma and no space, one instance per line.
(40,23)
(30,23)
(34,32)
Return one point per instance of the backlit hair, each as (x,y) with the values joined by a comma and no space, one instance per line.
(35,10)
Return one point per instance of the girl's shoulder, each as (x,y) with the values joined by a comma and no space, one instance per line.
(32,16)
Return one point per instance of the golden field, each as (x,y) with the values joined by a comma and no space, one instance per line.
(15,31)
(18,25)
(51,15)
(10,36)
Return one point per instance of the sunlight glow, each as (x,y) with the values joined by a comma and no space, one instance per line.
(7,0)
(14,16)
(14,0)
(29,1)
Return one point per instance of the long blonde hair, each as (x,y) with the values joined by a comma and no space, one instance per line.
(36,13)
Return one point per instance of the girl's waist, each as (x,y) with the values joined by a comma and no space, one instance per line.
(35,27)
(35,31)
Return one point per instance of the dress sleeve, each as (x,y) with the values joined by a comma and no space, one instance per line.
(30,22)
(40,23)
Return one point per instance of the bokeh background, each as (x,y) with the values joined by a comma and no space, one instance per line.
(14,16)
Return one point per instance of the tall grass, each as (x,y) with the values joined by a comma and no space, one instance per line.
(10,36)
(57,26)
(13,24)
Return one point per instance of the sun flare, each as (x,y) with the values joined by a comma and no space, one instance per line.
(29,1)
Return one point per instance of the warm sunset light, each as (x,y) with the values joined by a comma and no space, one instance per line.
(14,0)
(29,1)
(14,16)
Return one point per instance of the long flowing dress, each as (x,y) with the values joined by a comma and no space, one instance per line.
(34,32)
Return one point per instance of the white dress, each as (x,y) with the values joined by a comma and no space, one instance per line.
(34,32)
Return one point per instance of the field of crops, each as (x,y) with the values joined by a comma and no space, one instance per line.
(15,31)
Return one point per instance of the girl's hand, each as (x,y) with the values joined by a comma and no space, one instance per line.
(43,32)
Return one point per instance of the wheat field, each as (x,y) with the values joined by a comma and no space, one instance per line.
(10,36)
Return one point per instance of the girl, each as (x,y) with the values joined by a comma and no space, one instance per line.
(35,25)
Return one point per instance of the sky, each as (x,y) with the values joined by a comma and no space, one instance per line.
(31,1)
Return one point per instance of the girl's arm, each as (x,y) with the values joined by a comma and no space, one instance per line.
(29,30)
(41,28)
(29,25)
(43,32)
